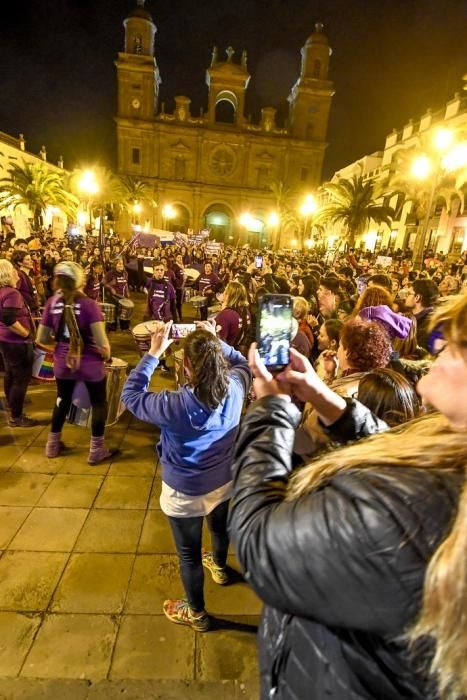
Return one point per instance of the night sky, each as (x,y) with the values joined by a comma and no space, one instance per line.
(392,59)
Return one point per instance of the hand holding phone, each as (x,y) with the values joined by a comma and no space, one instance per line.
(259,261)
(274,330)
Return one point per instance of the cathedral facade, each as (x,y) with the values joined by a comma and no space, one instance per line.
(213,167)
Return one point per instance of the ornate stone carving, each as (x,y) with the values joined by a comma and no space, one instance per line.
(222,161)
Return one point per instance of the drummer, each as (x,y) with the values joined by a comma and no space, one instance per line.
(116,288)
(161,296)
(208,284)
(93,285)
(76,324)
(178,269)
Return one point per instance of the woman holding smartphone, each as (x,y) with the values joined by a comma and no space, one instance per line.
(198,424)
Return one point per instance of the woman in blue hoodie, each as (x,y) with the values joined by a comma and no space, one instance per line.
(199,424)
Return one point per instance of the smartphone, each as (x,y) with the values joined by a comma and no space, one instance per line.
(181,330)
(362,283)
(274,330)
(259,261)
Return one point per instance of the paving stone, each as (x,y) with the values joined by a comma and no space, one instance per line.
(237,598)
(111,531)
(166,690)
(72,646)
(227,653)
(21,436)
(11,519)
(22,489)
(154,503)
(94,583)
(16,634)
(132,463)
(28,579)
(50,530)
(72,491)
(56,689)
(149,646)
(155,578)
(9,454)
(156,537)
(124,492)
(33,460)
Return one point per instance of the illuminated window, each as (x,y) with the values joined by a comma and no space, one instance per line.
(135,156)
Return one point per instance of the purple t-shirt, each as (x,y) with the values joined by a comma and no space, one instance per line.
(27,288)
(161,295)
(119,282)
(212,281)
(93,286)
(87,311)
(231,326)
(10,298)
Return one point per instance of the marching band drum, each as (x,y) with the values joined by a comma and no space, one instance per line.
(109,311)
(80,410)
(43,365)
(142,334)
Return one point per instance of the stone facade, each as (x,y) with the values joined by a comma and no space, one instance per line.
(214,166)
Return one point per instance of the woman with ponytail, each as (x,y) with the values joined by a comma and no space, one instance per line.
(76,324)
(198,425)
(361,556)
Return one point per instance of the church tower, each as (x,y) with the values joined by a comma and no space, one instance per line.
(137,71)
(310,98)
(227,82)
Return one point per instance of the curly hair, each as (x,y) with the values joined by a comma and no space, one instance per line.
(366,344)
(373,296)
(210,370)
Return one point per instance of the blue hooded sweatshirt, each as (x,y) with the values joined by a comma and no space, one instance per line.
(196,445)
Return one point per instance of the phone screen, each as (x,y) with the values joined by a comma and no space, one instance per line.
(274,331)
(259,261)
(181,330)
(362,283)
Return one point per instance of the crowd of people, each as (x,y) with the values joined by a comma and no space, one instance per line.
(355,542)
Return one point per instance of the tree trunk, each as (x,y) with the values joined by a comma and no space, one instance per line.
(37,219)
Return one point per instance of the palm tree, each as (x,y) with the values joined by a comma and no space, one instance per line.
(37,187)
(286,207)
(353,203)
(136,192)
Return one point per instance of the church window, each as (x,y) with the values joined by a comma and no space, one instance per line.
(135,156)
(263,177)
(180,168)
(225,112)
(316,68)
(309,131)
(304,174)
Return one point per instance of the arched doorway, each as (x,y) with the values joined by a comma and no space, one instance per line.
(219,219)
(181,221)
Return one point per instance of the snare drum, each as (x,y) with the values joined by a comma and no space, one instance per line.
(43,365)
(80,410)
(125,309)
(142,334)
(109,311)
(199,301)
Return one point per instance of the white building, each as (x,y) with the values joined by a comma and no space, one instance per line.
(447,232)
(13,151)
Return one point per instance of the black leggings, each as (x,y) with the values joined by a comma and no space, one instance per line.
(179,293)
(187,534)
(18,359)
(98,396)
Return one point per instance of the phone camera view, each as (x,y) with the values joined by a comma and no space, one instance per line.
(275,329)
(181,330)
(259,261)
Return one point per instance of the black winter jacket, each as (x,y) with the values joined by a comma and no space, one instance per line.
(340,569)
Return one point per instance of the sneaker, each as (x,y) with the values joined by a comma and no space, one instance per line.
(22,422)
(179,611)
(219,573)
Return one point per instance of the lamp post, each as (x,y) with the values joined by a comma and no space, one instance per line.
(88,185)
(273,224)
(433,169)
(308,208)
(168,213)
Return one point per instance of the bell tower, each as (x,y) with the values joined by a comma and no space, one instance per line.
(310,97)
(227,82)
(137,71)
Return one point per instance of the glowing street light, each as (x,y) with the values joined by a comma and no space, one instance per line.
(137,208)
(421,167)
(443,138)
(88,183)
(273,219)
(168,212)
(456,158)
(309,206)
(245,219)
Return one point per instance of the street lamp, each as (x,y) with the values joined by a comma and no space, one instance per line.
(88,185)
(273,223)
(137,209)
(425,167)
(168,212)
(308,208)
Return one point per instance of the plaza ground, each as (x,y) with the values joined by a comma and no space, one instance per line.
(86,560)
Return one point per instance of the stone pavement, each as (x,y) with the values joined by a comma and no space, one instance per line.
(86,559)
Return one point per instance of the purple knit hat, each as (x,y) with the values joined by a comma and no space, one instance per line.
(397,325)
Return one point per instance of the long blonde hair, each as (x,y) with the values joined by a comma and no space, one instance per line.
(426,443)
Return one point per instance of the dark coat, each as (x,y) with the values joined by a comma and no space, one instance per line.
(341,569)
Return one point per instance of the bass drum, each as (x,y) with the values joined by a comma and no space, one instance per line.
(125,309)
(80,410)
